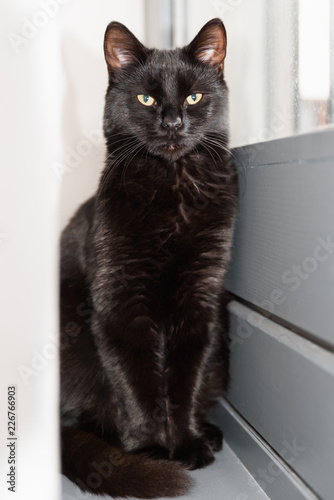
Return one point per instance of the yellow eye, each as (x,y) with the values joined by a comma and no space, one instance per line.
(145,99)
(194,98)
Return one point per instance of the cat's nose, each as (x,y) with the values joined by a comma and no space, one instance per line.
(172,122)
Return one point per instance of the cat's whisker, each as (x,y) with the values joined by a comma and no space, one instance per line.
(127,165)
(210,145)
(114,134)
(224,174)
(217,140)
(125,152)
(123,140)
(146,155)
(208,150)
(132,154)
(196,151)
(216,143)
(112,155)
(126,141)
(125,149)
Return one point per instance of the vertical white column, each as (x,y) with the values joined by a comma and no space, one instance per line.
(179,29)
(158,23)
(31,96)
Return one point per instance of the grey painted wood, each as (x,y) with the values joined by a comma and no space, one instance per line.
(283,253)
(273,475)
(283,385)
(303,147)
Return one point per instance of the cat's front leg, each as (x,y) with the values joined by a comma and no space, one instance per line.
(192,339)
(130,343)
(185,366)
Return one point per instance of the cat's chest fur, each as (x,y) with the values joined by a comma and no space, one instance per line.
(169,202)
(186,190)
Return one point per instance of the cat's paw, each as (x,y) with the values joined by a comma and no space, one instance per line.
(212,435)
(194,454)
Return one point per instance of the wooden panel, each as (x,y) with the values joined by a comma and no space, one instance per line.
(283,255)
(283,385)
(273,475)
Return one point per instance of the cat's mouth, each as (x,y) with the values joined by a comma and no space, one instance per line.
(171,149)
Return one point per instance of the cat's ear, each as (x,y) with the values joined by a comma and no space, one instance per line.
(209,45)
(121,47)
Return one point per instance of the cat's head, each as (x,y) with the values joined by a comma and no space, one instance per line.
(168,101)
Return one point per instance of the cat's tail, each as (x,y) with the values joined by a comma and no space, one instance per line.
(100,468)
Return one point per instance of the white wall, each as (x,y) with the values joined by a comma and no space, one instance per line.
(31,137)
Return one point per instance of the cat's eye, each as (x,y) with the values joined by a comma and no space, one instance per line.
(194,98)
(145,99)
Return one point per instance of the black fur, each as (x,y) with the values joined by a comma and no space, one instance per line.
(144,353)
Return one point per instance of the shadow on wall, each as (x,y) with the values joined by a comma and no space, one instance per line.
(85,82)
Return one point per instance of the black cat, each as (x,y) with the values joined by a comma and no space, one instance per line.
(144,354)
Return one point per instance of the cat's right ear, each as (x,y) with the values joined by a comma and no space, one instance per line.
(121,47)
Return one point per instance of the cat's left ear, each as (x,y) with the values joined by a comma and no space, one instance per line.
(121,47)
(209,45)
